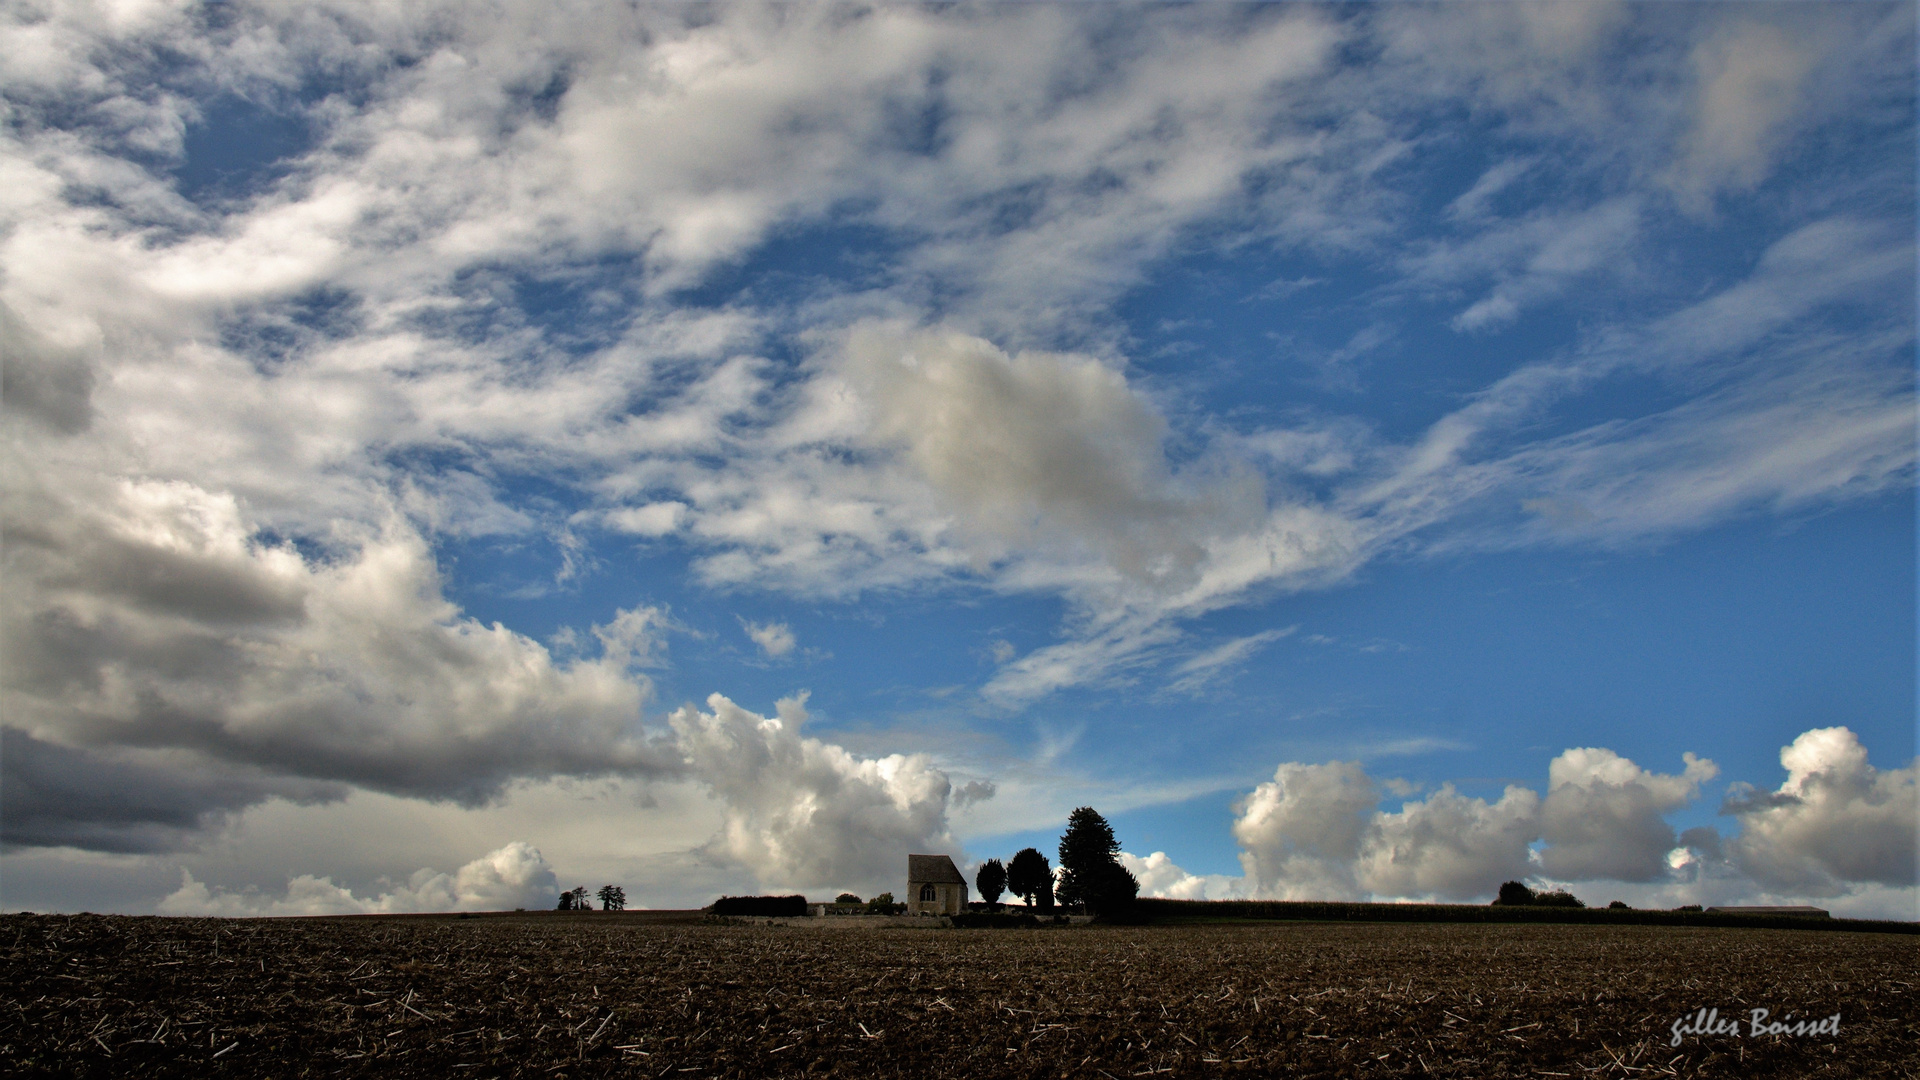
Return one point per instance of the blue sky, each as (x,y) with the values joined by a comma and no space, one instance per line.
(1367,451)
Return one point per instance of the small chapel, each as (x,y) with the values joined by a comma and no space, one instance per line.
(934,886)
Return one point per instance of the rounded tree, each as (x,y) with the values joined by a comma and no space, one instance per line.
(991,880)
(1514,893)
(1030,877)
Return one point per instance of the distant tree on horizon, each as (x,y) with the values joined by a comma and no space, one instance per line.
(1517,893)
(612,898)
(1514,893)
(573,900)
(991,879)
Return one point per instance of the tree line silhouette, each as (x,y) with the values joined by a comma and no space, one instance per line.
(1090,875)
(612,898)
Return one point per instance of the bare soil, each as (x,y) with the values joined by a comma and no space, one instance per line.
(669,995)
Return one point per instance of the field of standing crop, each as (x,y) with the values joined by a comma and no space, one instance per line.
(643,994)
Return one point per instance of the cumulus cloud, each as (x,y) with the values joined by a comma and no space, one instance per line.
(1052,462)
(1837,827)
(514,876)
(1160,876)
(805,814)
(153,615)
(1604,816)
(635,638)
(1313,833)
(1053,468)
(1451,846)
(1026,444)
(1836,820)
(1300,832)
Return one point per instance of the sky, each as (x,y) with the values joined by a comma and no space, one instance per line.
(458,452)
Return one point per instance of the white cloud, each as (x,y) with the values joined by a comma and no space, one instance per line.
(179,628)
(1473,202)
(514,876)
(1837,828)
(1160,876)
(653,519)
(1039,186)
(1313,833)
(1774,418)
(774,638)
(803,814)
(1604,816)
(1530,258)
(1835,821)
(1104,653)
(1026,447)
(1301,832)
(238,428)
(1449,846)
(1198,670)
(635,637)
(1747,97)
(1054,468)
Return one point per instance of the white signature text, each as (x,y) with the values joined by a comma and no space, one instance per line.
(1709,1022)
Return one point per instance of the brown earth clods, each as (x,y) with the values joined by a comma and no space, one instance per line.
(657,995)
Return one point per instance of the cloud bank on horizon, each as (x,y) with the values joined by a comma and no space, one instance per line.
(352,353)
(1835,827)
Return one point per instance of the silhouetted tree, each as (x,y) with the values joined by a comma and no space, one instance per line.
(846,898)
(1090,870)
(1028,875)
(991,880)
(612,898)
(1086,846)
(1514,892)
(1112,890)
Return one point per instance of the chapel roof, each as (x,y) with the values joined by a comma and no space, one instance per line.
(938,869)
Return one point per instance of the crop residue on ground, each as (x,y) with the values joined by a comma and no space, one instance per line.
(644,995)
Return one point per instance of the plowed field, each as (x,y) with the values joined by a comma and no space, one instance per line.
(643,994)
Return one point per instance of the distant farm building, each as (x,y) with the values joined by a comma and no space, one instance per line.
(1795,909)
(934,886)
